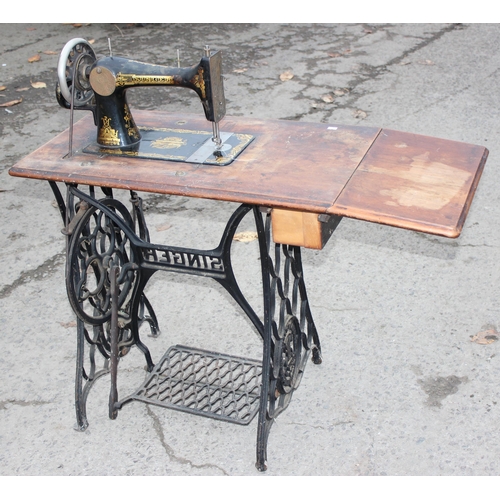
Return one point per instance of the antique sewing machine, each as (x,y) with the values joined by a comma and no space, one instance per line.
(298,180)
(100,84)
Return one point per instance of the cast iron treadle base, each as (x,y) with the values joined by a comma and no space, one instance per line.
(205,383)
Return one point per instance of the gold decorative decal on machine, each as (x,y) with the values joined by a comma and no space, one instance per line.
(129,124)
(117,151)
(107,135)
(199,82)
(170,142)
(191,146)
(130,80)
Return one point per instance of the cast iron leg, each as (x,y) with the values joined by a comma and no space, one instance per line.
(98,247)
(108,267)
(290,335)
(113,334)
(80,406)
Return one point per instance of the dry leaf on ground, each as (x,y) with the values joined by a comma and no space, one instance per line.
(35,58)
(39,85)
(339,54)
(69,324)
(163,227)
(327,98)
(287,75)
(2,87)
(241,70)
(245,236)
(50,52)
(485,337)
(11,103)
(359,113)
(22,89)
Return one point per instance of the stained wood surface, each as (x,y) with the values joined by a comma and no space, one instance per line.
(414,181)
(283,166)
(302,229)
(394,178)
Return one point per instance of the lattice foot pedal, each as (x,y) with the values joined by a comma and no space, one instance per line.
(204,383)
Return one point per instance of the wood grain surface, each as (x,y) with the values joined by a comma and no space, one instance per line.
(415,182)
(284,165)
(406,180)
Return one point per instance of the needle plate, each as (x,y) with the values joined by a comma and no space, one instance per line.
(189,146)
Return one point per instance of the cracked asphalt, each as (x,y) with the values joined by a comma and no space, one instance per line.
(403,389)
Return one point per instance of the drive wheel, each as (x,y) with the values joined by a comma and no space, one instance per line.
(73,68)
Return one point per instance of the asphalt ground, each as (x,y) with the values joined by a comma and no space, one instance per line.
(406,387)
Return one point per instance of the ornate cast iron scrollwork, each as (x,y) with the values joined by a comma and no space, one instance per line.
(98,240)
(287,357)
(290,334)
(109,262)
(97,244)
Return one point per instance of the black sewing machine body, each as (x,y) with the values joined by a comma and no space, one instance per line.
(100,85)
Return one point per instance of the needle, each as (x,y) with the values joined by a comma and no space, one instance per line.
(216,135)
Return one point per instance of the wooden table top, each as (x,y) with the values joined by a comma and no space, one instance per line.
(377,175)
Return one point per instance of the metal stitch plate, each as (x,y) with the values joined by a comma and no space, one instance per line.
(188,146)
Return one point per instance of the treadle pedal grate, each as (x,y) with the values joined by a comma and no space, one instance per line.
(205,383)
